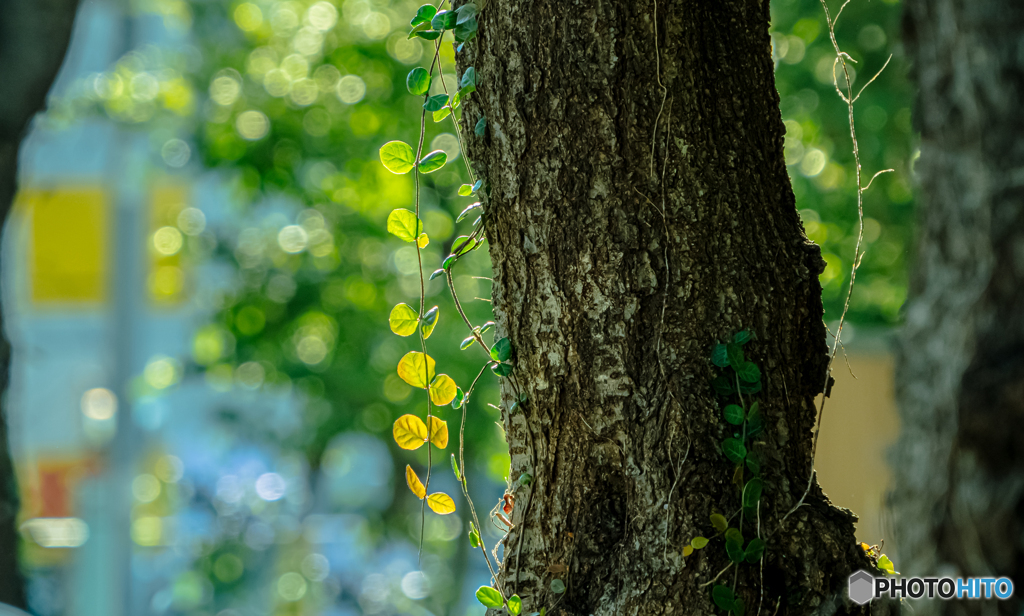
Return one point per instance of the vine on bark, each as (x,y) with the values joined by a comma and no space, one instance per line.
(417,368)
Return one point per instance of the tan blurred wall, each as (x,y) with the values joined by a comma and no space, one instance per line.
(857,429)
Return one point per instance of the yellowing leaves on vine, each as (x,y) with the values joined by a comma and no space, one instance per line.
(416,369)
(441,503)
(438,432)
(404,225)
(422,240)
(410,432)
(403,320)
(442,390)
(414,483)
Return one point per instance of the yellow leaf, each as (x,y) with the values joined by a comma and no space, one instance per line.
(687,550)
(441,503)
(414,483)
(438,432)
(403,320)
(442,390)
(422,240)
(410,432)
(416,371)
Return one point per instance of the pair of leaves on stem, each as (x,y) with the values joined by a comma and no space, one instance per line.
(726,599)
(404,319)
(429,23)
(439,502)
(501,351)
(417,370)
(404,225)
(399,158)
(735,550)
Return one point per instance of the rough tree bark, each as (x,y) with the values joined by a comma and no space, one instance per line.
(959,494)
(614,275)
(34,35)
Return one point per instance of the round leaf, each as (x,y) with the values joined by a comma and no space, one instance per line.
(731,447)
(441,503)
(438,432)
(723,596)
(433,161)
(557,586)
(403,320)
(423,15)
(415,370)
(687,550)
(749,372)
(501,350)
(418,81)
(735,354)
(733,535)
(397,157)
(752,492)
(404,225)
(410,432)
(734,414)
(414,483)
(489,597)
(442,390)
(734,552)
(515,605)
(465,190)
(719,522)
(699,542)
(754,551)
(423,240)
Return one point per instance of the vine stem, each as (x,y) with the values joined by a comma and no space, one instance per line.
(849,99)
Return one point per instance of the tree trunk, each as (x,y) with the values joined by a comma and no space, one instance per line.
(616,270)
(34,35)
(959,495)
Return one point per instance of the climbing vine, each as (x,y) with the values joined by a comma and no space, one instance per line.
(417,367)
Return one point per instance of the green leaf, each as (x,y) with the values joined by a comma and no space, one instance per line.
(429,321)
(404,225)
(557,586)
(465,13)
(423,15)
(755,423)
(403,320)
(737,607)
(719,356)
(466,343)
(459,243)
(466,30)
(733,414)
(749,372)
(443,20)
(474,536)
(753,465)
(481,127)
(754,551)
(448,262)
(501,350)
(743,337)
(486,327)
(699,542)
(525,479)
(723,596)
(515,605)
(734,450)
(734,536)
(433,161)
(460,398)
(468,78)
(734,552)
(752,492)
(397,157)
(735,353)
(502,369)
(489,597)
(723,386)
(465,190)
(429,35)
(754,409)
(455,467)
(418,81)
(442,113)
(469,208)
(750,388)
(457,99)
(719,522)
(436,102)
(436,273)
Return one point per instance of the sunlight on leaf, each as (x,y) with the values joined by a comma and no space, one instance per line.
(441,503)
(442,390)
(410,432)
(403,320)
(397,157)
(403,224)
(414,483)
(416,371)
(438,432)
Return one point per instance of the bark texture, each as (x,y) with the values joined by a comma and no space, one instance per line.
(34,36)
(639,211)
(959,496)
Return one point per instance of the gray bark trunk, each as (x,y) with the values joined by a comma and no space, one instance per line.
(616,271)
(959,494)
(34,35)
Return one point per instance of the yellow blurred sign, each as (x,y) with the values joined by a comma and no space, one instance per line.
(67,252)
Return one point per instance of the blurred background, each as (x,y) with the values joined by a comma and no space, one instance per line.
(197,281)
